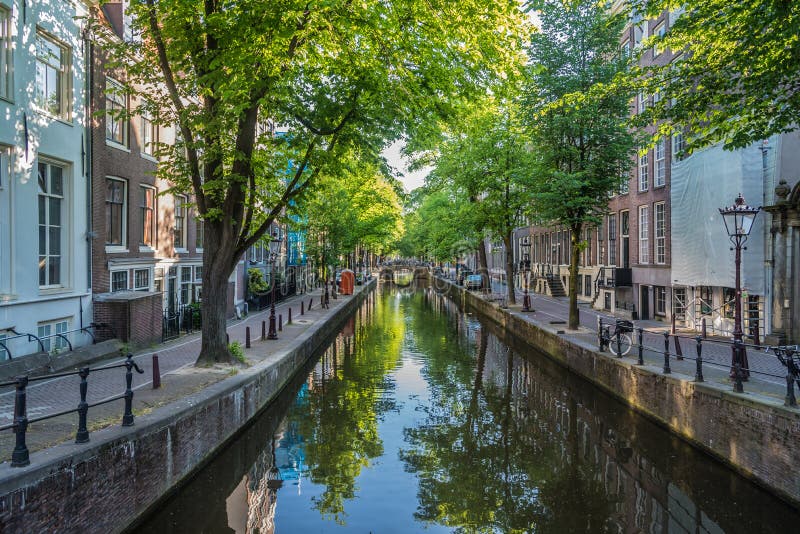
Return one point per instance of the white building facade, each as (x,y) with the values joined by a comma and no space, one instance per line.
(45,177)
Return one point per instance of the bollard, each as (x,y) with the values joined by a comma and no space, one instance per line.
(290,317)
(156,373)
(263,330)
(20,457)
(678,351)
(703,323)
(619,342)
(280,322)
(302,308)
(640,361)
(82,435)
(791,400)
(738,387)
(247,337)
(698,374)
(667,370)
(673,324)
(127,417)
(310,302)
(600,340)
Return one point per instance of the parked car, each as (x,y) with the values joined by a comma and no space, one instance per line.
(462,275)
(473,281)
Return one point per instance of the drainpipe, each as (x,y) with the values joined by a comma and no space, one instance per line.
(88,55)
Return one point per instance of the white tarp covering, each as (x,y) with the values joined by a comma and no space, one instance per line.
(702,183)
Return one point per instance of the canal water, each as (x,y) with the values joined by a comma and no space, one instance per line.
(420,418)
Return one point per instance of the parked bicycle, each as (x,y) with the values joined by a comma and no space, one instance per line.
(617,339)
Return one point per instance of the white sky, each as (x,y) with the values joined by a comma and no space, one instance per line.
(411,180)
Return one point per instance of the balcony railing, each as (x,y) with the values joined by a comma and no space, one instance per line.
(615,277)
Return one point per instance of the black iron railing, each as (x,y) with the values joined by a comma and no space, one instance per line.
(187,319)
(618,336)
(21,456)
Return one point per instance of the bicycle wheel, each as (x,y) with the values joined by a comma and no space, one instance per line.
(624,344)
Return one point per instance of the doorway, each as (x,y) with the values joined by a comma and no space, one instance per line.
(644,303)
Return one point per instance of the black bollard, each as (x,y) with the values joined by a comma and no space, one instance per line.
(698,374)
(280,322)
(247,337)
(667,370)
(20,457)
(678,351)
(156,373)
(127,417)
(600,340)
(302,308)
(263,330)
(82,435)
(640,361)
(290,317)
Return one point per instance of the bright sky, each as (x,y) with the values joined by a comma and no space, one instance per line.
(411,180)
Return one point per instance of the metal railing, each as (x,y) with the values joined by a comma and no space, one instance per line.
(186,318)
(740,371)
(40,340)
(21,456)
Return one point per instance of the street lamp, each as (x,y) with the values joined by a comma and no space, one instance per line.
(274,248)
(525,266)
(738,221)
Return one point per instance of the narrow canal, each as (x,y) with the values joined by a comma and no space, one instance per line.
(418,417)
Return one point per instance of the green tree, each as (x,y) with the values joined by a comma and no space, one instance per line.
(333,73)
(582,142)
(486,159)
(737,79)
(440,227)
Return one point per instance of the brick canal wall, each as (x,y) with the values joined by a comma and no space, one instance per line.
(756,436)
(105,485)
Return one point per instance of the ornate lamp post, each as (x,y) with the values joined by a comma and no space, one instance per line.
(738,220)
(525,266)
(274,248)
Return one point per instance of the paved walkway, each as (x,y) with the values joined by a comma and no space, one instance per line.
(176,363)
(767,374)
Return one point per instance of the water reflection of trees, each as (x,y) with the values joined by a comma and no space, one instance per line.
(481,467)
(348,392)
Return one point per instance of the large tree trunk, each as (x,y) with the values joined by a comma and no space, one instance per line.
(575,247)
(512,297)
(483,266)
(218,263)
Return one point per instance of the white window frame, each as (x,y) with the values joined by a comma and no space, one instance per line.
(660,178)
(678,146)
(47,258)
(148,272)
(658,31)
(122,245)
(644,234)
(116,99)
(660,291)
(6,55)
(48,328)
(644,174)
(180,206)
(63,72)
(111,280)
(199,234)
(185,284)
(660,220)
(149,135)
(143,246)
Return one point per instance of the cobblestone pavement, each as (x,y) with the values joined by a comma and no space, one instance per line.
(767,374)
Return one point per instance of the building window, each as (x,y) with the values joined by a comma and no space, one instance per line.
(706,296)
(661,233)
(644,234)
(116,113)
(47,333)
(6,57)
(679,303)
(624,186)
(141,280)
(116,212)
(179,229)
(51,237)
(728,302)
(52,76)
(147,204)
(661,164)
(612,240)
(661,300)
(658,33)
(149,134)
(198,273)
(119,281)
(626,49)
(644,179)
(642,102)
(186,285)
(199,234)
(678,147)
